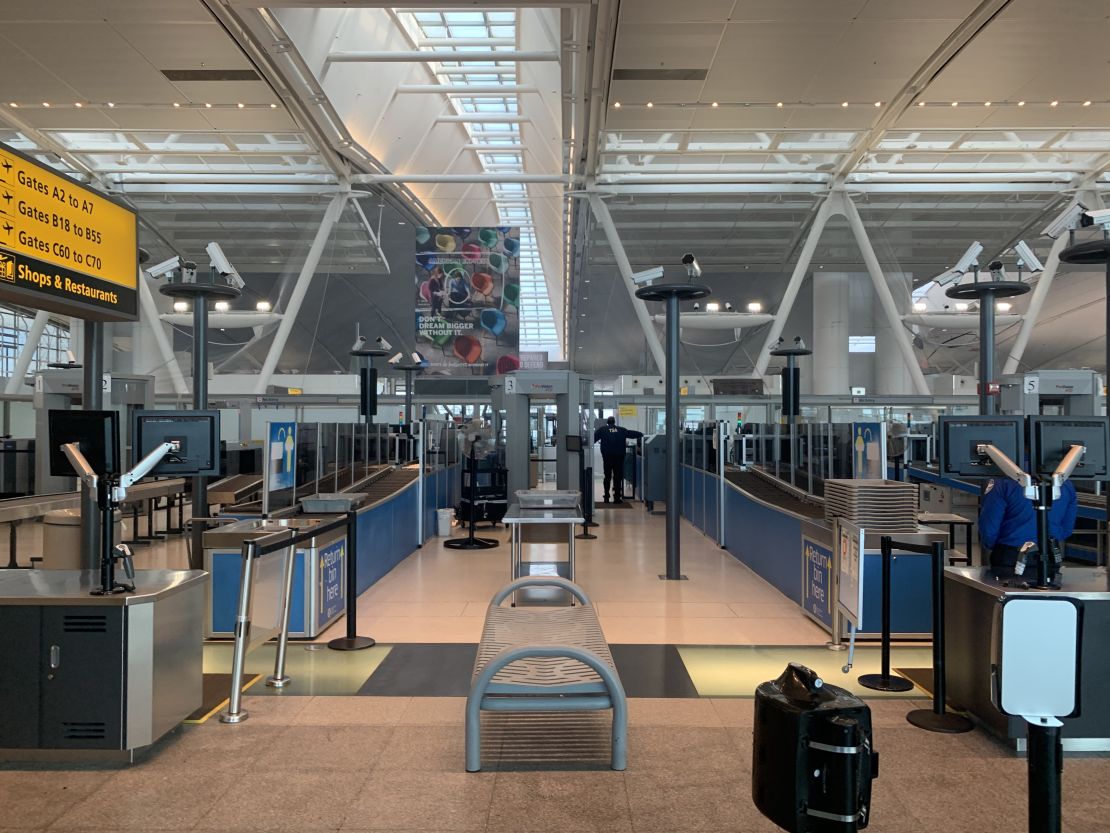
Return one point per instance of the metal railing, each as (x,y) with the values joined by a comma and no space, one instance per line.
(249,634)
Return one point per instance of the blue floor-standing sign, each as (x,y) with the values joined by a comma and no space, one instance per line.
(817,580)
(333,568)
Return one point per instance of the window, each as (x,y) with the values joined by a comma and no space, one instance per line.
(861,344)
(14,326)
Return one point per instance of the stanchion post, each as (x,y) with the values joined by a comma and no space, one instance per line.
(235,713)
(279,679)
(584,482)
(884,681)
(1046,768)
(938,719)
(352,641)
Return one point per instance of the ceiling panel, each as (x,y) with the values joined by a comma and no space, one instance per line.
(671,45)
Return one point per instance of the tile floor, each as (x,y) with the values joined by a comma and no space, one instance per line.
(312,764)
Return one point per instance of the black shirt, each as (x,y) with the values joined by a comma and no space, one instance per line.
(612,438)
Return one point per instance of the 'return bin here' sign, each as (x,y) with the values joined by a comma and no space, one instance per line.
(64,247)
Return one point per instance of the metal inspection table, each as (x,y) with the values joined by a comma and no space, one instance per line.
(97,677)
(950,520)
(972,596)
(517,518)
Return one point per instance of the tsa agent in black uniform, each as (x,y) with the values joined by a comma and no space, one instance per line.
(612,438)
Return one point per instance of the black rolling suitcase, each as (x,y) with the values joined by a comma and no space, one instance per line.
(813,759)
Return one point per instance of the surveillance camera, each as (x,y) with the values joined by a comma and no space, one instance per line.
(165,268)
(1100,217)
(693,269)
(697,306)
(648,275)
(801,345)
(382,343)
(361,340)
(1066,220)
(728,307)
(188,272)
(997,270)
(397,358)
(1026,257)
(969,258)
(222,265)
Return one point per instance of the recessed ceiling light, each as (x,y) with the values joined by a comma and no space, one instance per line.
(1053,103)
(961,306)
(263,306)
(1004,306)
(240,105)
(273,106)
(46,104)
(650,105)
(1021,104)
(13,105)
(844,104)
(921,104)
(78,104)
(209,106)
(955,104)
(1087,103)
(779,104)
(176,104)
(222,306)
(180,306)
(920,306)
(714,104)
(986,104)
(878,104)
(616,105)
(111,104)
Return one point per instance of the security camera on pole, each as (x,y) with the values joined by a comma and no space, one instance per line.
(672,294)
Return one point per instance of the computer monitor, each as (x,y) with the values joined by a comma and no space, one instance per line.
(96,434)
(194,434)
(1051,437)
(574,443)
(961,439)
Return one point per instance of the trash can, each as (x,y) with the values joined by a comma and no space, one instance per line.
(443,521)
(813,759)
(61,538)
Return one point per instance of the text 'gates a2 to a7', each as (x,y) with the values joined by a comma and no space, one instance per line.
(64,247)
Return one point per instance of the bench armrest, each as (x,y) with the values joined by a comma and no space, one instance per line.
(540,581)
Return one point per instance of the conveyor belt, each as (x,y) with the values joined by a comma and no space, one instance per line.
(759,488)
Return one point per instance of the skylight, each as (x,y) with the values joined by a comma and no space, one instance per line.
(467,31)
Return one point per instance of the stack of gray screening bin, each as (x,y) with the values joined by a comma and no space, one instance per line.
(882,506)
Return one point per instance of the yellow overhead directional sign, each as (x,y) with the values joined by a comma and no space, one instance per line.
(64,247)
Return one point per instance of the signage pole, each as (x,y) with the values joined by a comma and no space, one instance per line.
(672,294)
(92,399)
(199,294)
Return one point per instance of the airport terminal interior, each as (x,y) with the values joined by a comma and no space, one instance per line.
(771,365)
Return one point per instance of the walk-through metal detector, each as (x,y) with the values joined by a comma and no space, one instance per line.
(573,397)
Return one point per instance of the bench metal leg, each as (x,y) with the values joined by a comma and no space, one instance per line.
(617,698)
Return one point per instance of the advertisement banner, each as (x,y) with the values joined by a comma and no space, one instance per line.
(468,299)
(333,586)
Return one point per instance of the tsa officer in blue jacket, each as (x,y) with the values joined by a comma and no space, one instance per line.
(1008,521)
(612,438)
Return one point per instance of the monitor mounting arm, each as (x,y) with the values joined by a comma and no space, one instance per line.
(1066,467)
(1011,469)
(141,470)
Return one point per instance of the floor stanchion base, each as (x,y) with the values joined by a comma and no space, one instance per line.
(228,717)
(948,723)
(585,536)
(665,577)
(836,646)
(471,543)
(277,682)
(351,643)
(879,682)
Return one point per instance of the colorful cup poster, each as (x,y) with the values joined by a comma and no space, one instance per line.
(468,299)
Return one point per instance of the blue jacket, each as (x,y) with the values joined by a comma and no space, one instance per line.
(1007,516)
(612,438)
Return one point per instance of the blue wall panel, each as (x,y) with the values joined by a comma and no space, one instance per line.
(768,541)
(911,605)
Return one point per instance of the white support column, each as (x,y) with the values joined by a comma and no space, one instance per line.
(601,212)
(300,289)
(891,375)
(831,310)
(882,292)
(1036,301)
(158,330)
(805,257)
(15,383)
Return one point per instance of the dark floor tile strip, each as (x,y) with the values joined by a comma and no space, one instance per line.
(653,671)
(423,670)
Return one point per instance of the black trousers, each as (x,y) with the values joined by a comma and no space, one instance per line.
(614,473)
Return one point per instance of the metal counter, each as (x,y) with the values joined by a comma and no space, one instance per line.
(318,575)
(972,597)
(96,677)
